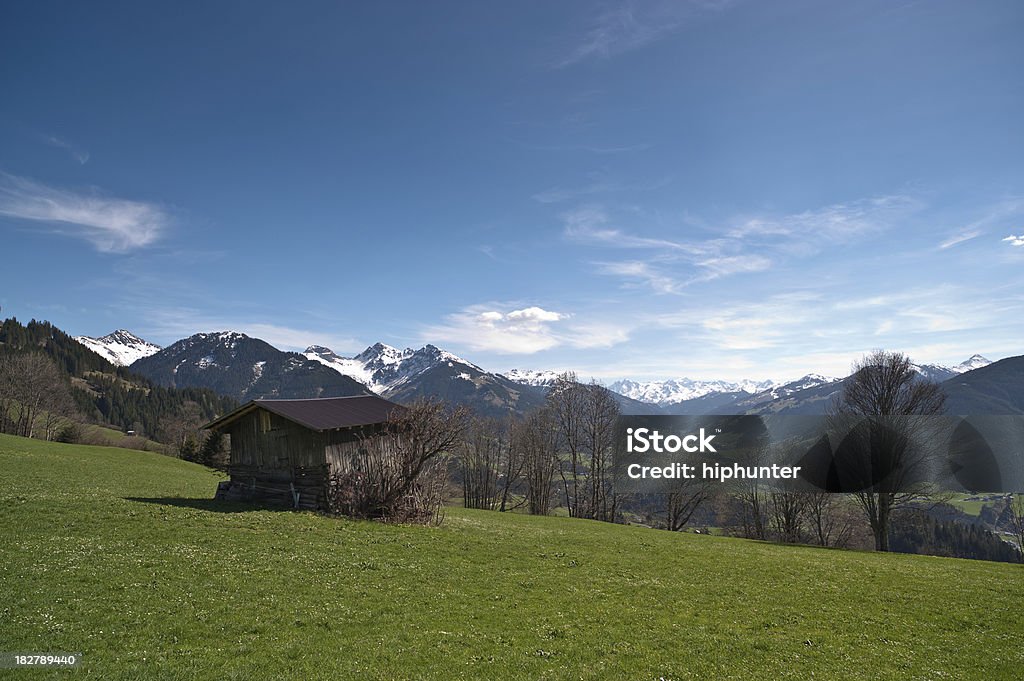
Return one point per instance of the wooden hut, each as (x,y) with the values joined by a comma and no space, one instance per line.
(284,451)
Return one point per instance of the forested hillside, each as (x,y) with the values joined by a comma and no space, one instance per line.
(98,390)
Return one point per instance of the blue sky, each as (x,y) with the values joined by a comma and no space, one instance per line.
(645,190)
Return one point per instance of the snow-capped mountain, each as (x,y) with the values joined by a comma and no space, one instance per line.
(971,363)
(408,374)
(382,367)
(939,373)
(810,394)
(686,395)
(346,366)
(234,364)
(540,379)
(781,391)
(674,391)
(120,348)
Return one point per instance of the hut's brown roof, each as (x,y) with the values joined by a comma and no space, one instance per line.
(325,413)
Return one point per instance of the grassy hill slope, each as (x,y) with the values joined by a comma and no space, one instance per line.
(120,555)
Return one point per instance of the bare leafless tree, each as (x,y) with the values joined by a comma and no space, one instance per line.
(600,410)
(566,400)
(480,461)
(32,388)
(536,437)
(750,494)
(180,431)
(585,419)
(688,495)
(400,471)
(60,410)
(788,507)
(829,522)
(513,467)
(878,412)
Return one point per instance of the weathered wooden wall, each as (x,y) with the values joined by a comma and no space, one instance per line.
(284,446)
(269,465)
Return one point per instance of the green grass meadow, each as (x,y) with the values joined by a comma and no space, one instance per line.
(121,555)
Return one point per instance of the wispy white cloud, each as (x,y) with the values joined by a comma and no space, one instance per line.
(819,331)
(927,310)
(591,224)
(735,264)
(752,325)
(706,260)
(76,152)
(991,216)
(629,26)
(644,273)
(496,328)
(960,238)
(1015,240)
(751,245)
(112,225)
(835,223)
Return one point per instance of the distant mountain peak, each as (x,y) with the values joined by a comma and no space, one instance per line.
(973,362)
(120,347)
(121,336)
(321,351)
(939,373)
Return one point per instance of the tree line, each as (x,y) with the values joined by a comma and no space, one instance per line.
(560,456)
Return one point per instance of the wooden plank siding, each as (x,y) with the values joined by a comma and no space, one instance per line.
(272,456)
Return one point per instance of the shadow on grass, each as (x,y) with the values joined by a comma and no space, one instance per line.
(213,505)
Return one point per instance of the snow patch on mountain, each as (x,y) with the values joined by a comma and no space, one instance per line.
(382,367)
(346,366)
(971,363)
(120,348)
(675,390)
(781,391)
(939,372)
(541,379)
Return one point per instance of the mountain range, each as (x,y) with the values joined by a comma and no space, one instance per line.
(242,367)
(405,375)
